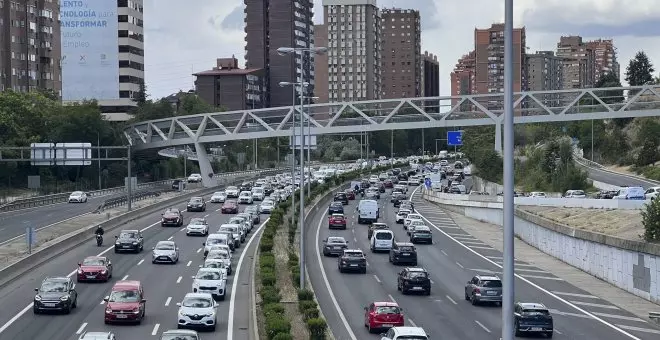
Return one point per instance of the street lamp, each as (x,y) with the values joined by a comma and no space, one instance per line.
(296,50)
(309,134)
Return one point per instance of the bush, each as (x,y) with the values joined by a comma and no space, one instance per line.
(311,313)
(651,220)
(268,278)
(277,324)
(273,309)
(283,336)
(317,328)
(266,245)
(305,295)
(307,304)
(269,294)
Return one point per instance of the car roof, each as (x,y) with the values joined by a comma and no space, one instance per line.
(488,277)
(383,231)
(207,269)
(126,284)
(181,332)
(198,295)
(422,227)
(416,269)
(532,305)
(337,215)
(336,238)
(417,331)
(166,242)
(353,251)
(95,258)
(129,231)
(57,279)
(218,235)
(95,335)
(408,244)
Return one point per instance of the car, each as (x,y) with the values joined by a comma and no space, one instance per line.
(195,178)
(172,217)
(405,333)
(381,240)
(388,183)
(422,234)
(219,255)
(334,245)
(56,294)
(245,197)
(411,217)
(352,260)
(94,268)
(403,253)
(254,211)
(337,221)
(197,226)
(401,215)
(129,240)
(215,240)
(196,204)
(372,193)
(180,334)
(532,318)
(652,193)
(267,206)
(197,310)
(379,316)
(336,208)
(232,192)
(165,252)
(245,186)
(218,197)
(244,223)
(229,207)
(178,184)
(217,263)
(258,193)
(97,336)
(248,218)
(350,194)
(236,234)
(375,226)
(413,280)
(413,226)
(126,303)
(484,289)
(575,194)
(210,281)
(78,197)
(341,197)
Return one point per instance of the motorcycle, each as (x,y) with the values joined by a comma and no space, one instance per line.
(99,240)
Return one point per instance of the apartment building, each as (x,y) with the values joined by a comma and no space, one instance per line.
(463,78)
(430,69)
(605,58)
(230,87)
(354,49)
(577,62)
(269,25)
(401,53)
(545,71)
(321,65)
(30,43)
(489,59)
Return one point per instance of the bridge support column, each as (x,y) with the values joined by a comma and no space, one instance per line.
(498,137)
(205,169)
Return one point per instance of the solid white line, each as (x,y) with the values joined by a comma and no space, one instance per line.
(482,326)
(234,285)
(391,298)
(639,329)
(170,238)
(188,264)
(450,299)
(460,265)
(179,279)
(141,261)
(610,325)
(442,251)
(124,278)
(167,302)
(576,295)
(82,327)
(377,279)
(597,305)
(620,317)
(327,283)
(412,323)
(155,331)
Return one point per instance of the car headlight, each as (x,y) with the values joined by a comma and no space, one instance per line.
(64,298)
(136,311)
(80,271)
(104,272)
(116,243)
(181,314)
(37,297)
(135,243)
(108,310)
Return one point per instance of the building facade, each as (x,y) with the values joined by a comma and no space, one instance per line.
(544,71)
(605,58)
(269,25)
(577,62)
(463,78)
(30,46)
(229,87)
(430,69)
(401,53)
(489,59)
(354,49)
(321,65)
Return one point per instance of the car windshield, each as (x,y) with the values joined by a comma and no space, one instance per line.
(53,287)
(353,254)
(93,262)
(406,248)
(128,235)
(172,211)
(197,221)
(492,283)
(165,246)
(213,264)
(232,188)
(218,255)
(196,200)
(388,310)
(417,275)
(578,192)
(215,241)
(336,240)
(417,222)
(229,229)
(179,337)
(535,312)
(336,205)
(124,296)
(383,236)
(245,194)
(77,193)
(209,275)
(414,217)
(197,302)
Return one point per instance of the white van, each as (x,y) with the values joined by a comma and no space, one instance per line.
(630,193)
(368,211)
(381,240)
(258,193)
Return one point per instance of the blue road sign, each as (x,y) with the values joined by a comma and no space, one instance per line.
(427,183)
(455,138)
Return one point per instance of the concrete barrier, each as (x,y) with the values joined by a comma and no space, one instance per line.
(633,266)
(481,185)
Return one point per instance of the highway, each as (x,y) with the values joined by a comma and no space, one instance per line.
(453,259)
(616,179)
(165,285)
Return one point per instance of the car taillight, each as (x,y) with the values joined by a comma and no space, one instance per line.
(477,290)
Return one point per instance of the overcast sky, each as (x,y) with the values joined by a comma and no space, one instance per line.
(182,37)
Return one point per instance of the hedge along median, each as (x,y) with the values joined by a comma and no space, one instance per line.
(279,270)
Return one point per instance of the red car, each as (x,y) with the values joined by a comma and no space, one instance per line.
(94,268)
(388,183)
(126,303)
(382,315)
(350,194)
(336,221)
(229,207)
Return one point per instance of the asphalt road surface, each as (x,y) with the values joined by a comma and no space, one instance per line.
(615,179)
(453,259)
(165,285)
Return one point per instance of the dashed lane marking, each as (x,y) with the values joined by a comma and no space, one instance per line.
(445,253)
(587,296)
(460,265)
(141,261)
(124,278)
(188,264)
(597,305)
(482,326)
(450,299)
(377,279)
(167,302)
(82,327)
(392,298)
(155,331)
(412,323)
(179,279)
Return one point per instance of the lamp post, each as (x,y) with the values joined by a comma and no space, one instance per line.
(309,134)
(302,51)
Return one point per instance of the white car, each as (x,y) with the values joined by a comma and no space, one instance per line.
(210,281)
(232,192)
(267,206)
(174,334)
(222,247)
(575,194)
(218,263)
(245,197)
(399,333)
(408,220)
(197,310)
(401,215)
(413,225)
(222,255)
(258,194)
(97,336)
(381,240)
(244,222)
(197,226)
(235,230)
(652,193)
(219,197)
(214,240)
(78,197)
(194,178)
(165,251)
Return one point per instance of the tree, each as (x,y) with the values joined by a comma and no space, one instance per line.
(640,70)
(651,220)
(141,96)
(611,96)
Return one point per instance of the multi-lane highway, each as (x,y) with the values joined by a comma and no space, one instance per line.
(165,285)
(453,259)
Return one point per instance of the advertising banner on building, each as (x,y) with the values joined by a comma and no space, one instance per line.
(90,53)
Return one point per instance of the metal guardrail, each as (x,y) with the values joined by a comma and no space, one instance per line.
(590,164)
(136,196)
(654,316)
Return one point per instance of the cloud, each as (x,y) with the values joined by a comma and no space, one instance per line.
(234,21)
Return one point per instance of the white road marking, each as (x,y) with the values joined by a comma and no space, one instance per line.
(541,277)
(167,302)
(620,317)
(102,302)
(460,265)
(477,247)
(575,315)
(170,238)
(495,257)
(576,295)
(199,250)
(442,251)
(450,299)
(82,327)
(141,261)
(155,331)
(472,242)
(639,329)
(207,215)
(617,328)
(531,271)
(188,264)
(432,282)
(412,323)
(354,239)
(179,279)
(377,279)
(597,305)
(391,298)
(234,285)
(124,278)
(182,229)
(482,326)
(367,264)
(465,237)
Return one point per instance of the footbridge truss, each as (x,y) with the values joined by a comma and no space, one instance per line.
(395,114)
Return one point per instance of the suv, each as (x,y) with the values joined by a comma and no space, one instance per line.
(532,318)
(375,226)
(403,252)
(56,294)
(129,240)
(337,221)
(172,217)
(414,280)
(196,204)
(397,333)
(352,260)
(341,197)
(126,303)
(484,288)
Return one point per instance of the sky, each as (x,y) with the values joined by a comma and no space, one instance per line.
(183,37)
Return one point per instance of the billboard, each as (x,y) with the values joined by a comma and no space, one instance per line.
(90,52)
(61,154)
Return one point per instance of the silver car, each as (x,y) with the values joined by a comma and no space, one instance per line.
(179,334)
(165,252)
(197,310)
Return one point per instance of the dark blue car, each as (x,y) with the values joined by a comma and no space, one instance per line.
(336,208)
